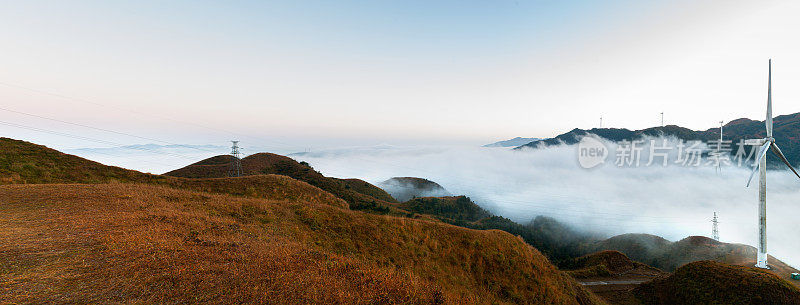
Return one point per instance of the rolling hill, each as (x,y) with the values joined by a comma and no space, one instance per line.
(27,163)
(139,243)
(606,264)
(118,236)
(557,241)
(454,209)
(668,256)
(611,275)
(710,282)
(359,194)
(70,223)
(24,162)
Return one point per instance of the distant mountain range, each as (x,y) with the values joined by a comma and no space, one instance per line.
(786,133)
(512,142)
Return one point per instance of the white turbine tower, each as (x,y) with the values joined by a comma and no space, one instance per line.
(766,143)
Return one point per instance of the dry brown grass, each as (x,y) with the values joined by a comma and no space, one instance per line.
(607,263)
(359,194)
(273,187)
(126,243)
(27,163)
(711,282)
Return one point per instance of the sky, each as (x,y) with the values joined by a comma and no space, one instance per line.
(299,75)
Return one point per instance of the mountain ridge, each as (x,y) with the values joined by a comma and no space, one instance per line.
(511,142)
(786,132)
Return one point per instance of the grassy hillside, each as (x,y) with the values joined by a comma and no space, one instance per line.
(455,209)
(368,189)
(273,187)
(709,282)
(604,264)
(359,195)
(130,243)
(27,163)
(24,162)
(640,247)
(554,239)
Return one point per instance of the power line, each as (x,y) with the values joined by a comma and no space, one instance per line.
(90,139)
(101,129)
(149,115)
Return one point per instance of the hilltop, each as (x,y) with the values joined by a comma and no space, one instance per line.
(611,275)
(607,264)
(785,131)
(359,194)
(710,282)
(24,162)
(407,188)
(457,210)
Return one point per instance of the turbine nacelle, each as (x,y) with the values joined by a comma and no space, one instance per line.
(769,143)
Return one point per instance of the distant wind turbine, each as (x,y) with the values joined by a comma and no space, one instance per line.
(768,142)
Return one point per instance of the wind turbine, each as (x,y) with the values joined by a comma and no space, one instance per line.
(768,142)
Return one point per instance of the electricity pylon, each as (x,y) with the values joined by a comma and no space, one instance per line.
(235,169)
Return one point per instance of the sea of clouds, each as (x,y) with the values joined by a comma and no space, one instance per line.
(673,201)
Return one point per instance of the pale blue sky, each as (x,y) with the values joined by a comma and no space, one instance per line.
(328,73)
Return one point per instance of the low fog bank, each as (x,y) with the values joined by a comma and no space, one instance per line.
(672,201)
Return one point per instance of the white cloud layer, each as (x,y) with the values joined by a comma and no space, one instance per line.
(673,201)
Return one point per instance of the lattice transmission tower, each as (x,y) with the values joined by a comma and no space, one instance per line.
(235,168)
(715,227)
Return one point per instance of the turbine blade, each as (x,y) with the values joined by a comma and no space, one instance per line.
(778,152)
(761,153)
(768,122)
